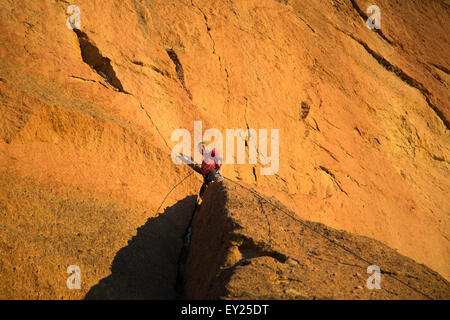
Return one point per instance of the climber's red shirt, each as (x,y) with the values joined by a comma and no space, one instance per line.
(211,160)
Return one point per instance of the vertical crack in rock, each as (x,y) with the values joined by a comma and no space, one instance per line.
(254,174)
(402,76)
(179,284)
(213,43)
(365,17)
(91,56)
(179,69)
(228,83)
(208,29)
(247,142)
(245,113)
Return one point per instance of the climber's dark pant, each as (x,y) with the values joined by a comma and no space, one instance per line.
(213,175)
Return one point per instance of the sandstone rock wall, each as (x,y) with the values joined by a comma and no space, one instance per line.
(87,116)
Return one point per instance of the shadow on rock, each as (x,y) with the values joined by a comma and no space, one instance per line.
(147,267)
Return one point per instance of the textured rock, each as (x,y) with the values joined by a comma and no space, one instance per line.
(245,246)
(87,116)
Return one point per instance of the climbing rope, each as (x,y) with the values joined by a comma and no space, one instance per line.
(176,185)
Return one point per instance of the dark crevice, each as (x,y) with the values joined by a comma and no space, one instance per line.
(365,17)
(247,137)
(306,23)
(437,158)
(279,177)
(254,174)
(327,151)
(83,79)
(139,63)
(304,110)
(316,126)
(442,68)
(331,174)
(182,259)
(245,115)
(164,73)
(436,110)
(213,43)
(402,75)
(91,56)
(154,68)
(89,80)
(179,69)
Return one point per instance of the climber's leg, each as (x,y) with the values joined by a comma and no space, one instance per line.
(207,179)
(202,190)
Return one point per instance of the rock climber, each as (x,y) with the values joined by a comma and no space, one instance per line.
(210,166)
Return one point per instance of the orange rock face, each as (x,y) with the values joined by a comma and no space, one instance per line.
(86,175)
